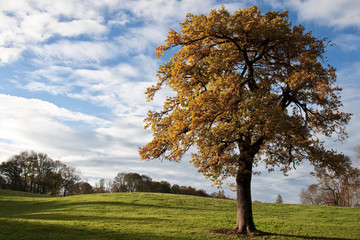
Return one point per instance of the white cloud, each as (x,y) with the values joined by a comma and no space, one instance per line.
(8,55)
(160,10)
(57,8)
(78,27)
(348,42)
(27,24)
(36,124)
(120,88)
(75,53)
(113,87)
(52,89)
(120,19)
(31,24)
(141,39)
(173,11)
(334,13)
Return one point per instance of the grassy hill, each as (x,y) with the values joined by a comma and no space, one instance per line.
(162,216)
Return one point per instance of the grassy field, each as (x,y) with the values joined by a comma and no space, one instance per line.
(162,216)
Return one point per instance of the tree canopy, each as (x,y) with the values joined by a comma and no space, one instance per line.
(244,79)
(248,87)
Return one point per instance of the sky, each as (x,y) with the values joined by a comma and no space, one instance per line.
(73,75)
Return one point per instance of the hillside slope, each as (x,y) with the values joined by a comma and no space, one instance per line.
(162,216)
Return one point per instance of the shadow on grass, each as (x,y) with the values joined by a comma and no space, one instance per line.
(76,220)
(11,209)
(306,237)
(68,217)
(131,204)
(44,231)
(283,236)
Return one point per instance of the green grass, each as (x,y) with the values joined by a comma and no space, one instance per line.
(162,216)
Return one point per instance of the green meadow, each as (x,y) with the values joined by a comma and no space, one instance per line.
(162,216)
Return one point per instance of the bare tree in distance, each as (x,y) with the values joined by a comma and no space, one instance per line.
(334,189)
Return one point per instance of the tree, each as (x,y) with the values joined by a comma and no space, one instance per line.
(201,193)
(187,190)
(49,178)
(36,172)
(334,189)
(155,186)
(358,156)
(279,199)
(82,188)
(144,184)
(175,189)
(12,172)
(69,178)
(220,194)
(165,187)
(311,195)
(119,183)
(3,183)
(131,181)
(100,187)
(30,163)
(245,85)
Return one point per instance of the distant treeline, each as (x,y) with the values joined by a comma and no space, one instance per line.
(38,173)
(134,182)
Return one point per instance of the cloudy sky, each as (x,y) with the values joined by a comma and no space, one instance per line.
(73,75)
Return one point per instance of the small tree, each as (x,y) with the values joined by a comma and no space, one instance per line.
(279,199)
(246,85)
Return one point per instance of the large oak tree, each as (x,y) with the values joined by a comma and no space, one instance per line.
(248,87)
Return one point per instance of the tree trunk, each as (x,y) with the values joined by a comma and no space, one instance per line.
(25,182)
(245,223)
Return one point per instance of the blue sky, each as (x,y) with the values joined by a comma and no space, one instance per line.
(73,76)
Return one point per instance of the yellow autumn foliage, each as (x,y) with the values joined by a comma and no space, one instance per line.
(246,84)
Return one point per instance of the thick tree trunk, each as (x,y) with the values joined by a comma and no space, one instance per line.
(245,223)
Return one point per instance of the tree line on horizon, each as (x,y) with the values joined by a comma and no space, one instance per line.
(38,173)
(134,182)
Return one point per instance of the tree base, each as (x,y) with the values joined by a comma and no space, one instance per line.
(236,231)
